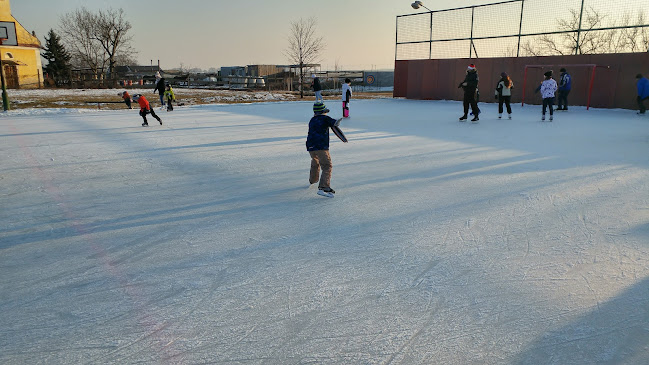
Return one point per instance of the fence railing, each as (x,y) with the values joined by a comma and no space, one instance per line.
(525,28)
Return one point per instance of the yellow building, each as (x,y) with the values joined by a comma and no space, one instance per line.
(21,56)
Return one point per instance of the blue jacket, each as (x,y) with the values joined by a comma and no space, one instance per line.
(565,82)
(643,88)
(318,138)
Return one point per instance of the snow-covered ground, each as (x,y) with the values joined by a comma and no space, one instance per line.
(200,241)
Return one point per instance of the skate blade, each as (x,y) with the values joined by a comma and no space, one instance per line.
(325,194)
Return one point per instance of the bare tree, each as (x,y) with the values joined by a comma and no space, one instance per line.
(571,42)
(97,40)
(304,46)
(111,31)
(77,30)
(589,38)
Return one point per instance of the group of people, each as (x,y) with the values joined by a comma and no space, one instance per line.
(503,93)
(317,141)
(548,88)
(165,91)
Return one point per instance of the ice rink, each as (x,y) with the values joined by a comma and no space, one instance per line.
(200,241)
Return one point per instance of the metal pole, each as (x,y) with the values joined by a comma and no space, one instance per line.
(581,15)
(590,87)
(430,43)
(520,29)
(471,40)
(5,98)
(524,83)
(396,40)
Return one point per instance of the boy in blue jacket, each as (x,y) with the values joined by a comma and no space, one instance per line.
(643,92)
(317,143)
(565,84)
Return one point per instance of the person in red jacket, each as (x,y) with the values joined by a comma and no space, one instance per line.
(145,109)
(127,98)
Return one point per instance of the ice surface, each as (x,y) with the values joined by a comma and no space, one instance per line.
(200,241)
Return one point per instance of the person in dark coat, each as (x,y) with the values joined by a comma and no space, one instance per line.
(565,84)
(317,88)
(160,87)
(470,86)
(317,144)
(643,92)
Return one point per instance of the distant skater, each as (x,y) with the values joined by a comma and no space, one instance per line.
(643,92)
(317,144)
(160,87)
(127,98)
(145,108)
(317,88)
(470,86)
(548,89)
(346,96)
(565,84)
(169,95)
(504,94)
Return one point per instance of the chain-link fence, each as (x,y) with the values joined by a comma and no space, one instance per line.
(525,28)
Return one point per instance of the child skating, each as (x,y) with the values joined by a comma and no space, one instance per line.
(169,95)
(504,94)
(127,98)
(145,108)
(347,95)
(317,144)
(548,89)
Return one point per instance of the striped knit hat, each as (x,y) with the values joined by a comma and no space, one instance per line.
(319,108)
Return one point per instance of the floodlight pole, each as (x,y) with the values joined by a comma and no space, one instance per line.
(417,4)
(520,29)
(581,15)
(5,98)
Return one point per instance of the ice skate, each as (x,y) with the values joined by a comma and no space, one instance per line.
(326,192)
(463,118)
(500,115)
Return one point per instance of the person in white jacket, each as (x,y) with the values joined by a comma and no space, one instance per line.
(346,97)
(548,89)
(504,94)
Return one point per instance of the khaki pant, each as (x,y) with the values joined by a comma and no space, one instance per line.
(320,159)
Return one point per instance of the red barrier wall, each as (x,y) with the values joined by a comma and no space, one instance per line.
(614,84)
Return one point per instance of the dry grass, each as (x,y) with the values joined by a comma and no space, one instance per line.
(108,98)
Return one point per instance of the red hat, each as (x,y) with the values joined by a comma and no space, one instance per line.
(471,67)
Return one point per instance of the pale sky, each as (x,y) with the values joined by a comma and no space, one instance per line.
(360,34)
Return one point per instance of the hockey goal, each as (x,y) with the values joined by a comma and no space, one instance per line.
(591,66)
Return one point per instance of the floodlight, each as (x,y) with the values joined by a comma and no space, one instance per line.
(417,4)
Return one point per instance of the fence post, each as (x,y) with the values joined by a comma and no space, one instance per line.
(471,40)
(581,14)
(520,29)
(396,40)
(430,39)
